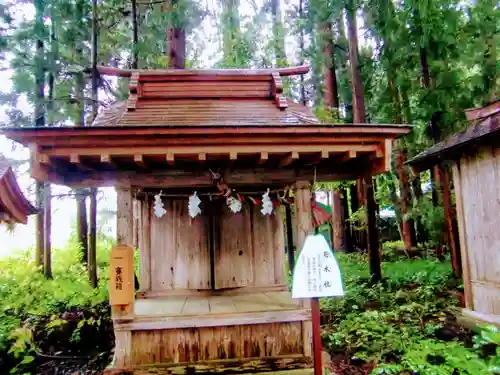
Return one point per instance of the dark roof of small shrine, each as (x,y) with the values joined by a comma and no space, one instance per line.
(484,125)
(14,207)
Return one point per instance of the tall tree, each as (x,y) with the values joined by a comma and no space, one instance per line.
(79,36)
(358,96)
(303,98)
(230,32)
(365,185)
(384,23)
(176,36)
(92,246)
(39,73)
(278,34)
(135,36)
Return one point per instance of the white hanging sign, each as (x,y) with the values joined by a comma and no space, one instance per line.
(316,273)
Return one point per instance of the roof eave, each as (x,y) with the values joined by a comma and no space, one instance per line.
(25,136)
(425,161)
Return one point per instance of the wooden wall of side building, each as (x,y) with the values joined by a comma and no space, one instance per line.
(477,190)
(175,250)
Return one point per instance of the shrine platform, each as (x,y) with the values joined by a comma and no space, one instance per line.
(180,311)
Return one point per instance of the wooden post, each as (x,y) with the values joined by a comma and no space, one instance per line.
(47,216)
(316,331)
(373,245)
(304,219)
(145,244)
(451,225)
(81,222)
(289,237)
(124,217)
(40,231)
(92,258)
(462,231)
(124,236)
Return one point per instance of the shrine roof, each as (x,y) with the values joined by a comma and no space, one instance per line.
(14,207)
(206,113)
(226,97)
(484,127)
(176,124)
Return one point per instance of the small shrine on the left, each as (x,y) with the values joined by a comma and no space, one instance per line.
(14,207)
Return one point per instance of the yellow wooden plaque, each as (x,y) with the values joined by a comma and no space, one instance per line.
(121,275)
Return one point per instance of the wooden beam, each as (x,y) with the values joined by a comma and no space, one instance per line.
(263,157)
(210,149)
(387,154)
(233,156)
(202,157)
(76,160)
(130,136)
(348,156)
(214,320)
(288,71)
(289,159)
(106,159)
(200,179)
(479,113)
(323,155)
(139,160)
(171,159)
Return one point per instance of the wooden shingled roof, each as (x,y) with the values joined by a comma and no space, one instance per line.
(484,127)
(177,125)
(207,98)
(14,207)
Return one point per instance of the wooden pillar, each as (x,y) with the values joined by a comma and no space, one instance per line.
(124,236)
(144,227)
(373,244)
(92,255)
(124,217)
(47,248)
(40,218)
(462,231)
(451,225)
(289,237)
(304,221)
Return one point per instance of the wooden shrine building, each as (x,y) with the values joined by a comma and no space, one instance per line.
(213,290)
(474,155)
(14,207)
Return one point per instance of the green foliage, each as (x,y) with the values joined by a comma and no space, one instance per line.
(433,357)
(32,307)
(488,343)
(394,325)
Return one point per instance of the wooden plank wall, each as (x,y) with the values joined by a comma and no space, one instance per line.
(477,189)
(249,248)
(214,343)
(180,255)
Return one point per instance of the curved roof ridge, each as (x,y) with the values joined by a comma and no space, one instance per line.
(14,206)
